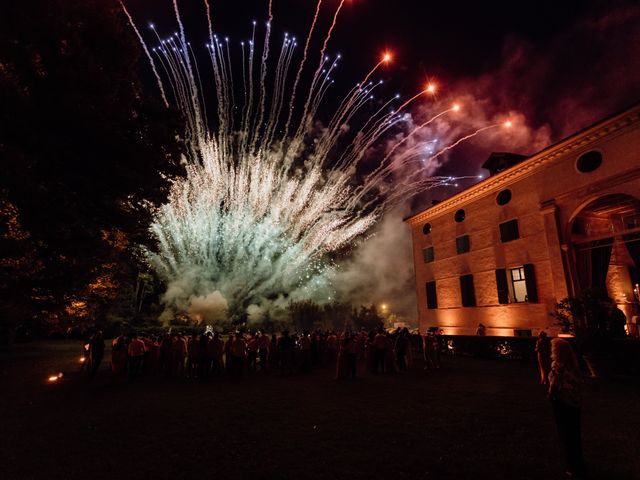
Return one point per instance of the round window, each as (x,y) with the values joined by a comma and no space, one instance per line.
(426,228)
(504,197)
(459,216)
(588,162)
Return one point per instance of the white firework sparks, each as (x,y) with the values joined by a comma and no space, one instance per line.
(267,202)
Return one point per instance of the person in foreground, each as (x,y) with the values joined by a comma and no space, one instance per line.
(565,393)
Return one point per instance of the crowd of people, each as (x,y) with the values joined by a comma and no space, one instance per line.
(207,355)
(202,355)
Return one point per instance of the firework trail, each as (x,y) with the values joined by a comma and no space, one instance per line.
(465,138)
(302,62)
(262,215)
(306,114)
(146,51)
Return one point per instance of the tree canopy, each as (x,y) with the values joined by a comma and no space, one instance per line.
(82,147)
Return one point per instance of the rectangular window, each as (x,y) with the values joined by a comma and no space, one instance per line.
(467,291)
(518,290)
(427,254)
(509,231)
(462,244)
(432,298)
(522,284)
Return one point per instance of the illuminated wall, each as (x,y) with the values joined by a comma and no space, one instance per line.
(548,191)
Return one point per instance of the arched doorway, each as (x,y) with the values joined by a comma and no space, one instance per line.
(605,242)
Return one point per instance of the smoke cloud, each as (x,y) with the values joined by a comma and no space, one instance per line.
(381,270)
(210,309)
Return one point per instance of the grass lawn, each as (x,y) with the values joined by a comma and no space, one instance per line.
(474,419)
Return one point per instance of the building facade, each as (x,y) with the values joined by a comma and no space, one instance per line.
(539,229)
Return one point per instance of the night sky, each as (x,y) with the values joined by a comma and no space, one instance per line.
(561,65)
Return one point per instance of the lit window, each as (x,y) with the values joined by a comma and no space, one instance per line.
(427,255)
(518,284)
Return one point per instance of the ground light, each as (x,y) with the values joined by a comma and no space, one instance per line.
(54,378)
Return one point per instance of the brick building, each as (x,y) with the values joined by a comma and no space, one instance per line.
(538,229)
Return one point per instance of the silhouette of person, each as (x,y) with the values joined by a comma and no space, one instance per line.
(565,382)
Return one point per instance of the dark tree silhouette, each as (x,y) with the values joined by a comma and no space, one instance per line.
(81,146)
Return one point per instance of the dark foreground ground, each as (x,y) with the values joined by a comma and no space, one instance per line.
(474,419)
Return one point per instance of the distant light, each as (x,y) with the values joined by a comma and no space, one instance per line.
(455,107)
(508,124)
(431,88)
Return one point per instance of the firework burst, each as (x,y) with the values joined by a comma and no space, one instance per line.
(270,195)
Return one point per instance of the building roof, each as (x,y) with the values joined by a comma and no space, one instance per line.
(499,161)
(527,165)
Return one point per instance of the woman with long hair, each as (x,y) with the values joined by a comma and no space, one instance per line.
(565,393)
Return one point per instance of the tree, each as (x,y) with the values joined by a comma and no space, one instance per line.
(337,315)
(82,148)
(586,312)
(367,318)
(305,314)
(592,317)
